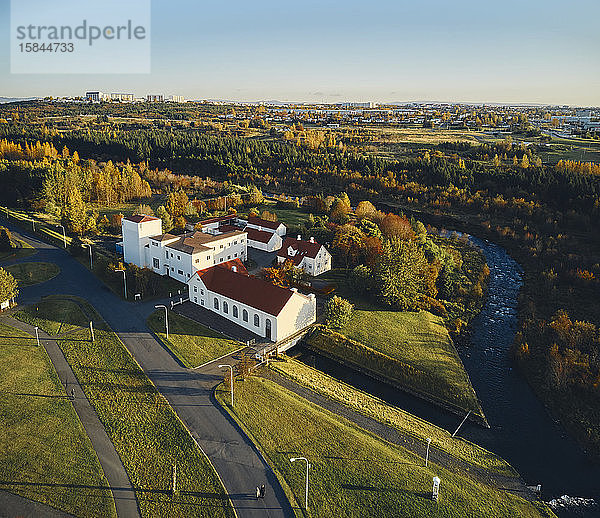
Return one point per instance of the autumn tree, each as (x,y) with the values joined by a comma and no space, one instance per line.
(177,203)
(365,210)
(74,214)
(6,241)
(8,286)
(348,243)
(394,226)
(167,220)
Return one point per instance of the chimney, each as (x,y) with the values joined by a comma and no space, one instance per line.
(299,238)
(312,239)
(234,268)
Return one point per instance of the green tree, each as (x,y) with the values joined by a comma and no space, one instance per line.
(338,312)
(399,274)
(6,241)
(74,214)
(167,220)
(8,286)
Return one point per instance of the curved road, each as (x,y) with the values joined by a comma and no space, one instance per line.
(188,391)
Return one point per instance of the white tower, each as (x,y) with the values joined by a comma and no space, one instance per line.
(136,233)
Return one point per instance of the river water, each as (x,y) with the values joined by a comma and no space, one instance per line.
(521,430)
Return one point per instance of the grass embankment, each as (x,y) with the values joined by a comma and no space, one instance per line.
(144,429)
(385,413)
(410,350)
(46,453)
(21,250)
(28,274)
(45,226)
(353,473)
(190,341)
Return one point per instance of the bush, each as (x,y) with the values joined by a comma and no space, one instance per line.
(6,241)
(338,312)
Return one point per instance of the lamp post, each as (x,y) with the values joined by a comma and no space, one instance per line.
(427,454)
(37,335)
(294,459)
(124,282)
(64,235)
(231,380)
(166,318)
(33,224)
(90,249)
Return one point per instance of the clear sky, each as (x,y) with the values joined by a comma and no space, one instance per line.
(542,51)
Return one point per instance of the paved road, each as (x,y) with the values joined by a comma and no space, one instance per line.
(189,391)
(120,485)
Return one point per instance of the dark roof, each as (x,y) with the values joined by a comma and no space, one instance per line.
(254,220)
(192,242)
(227,217)
(164,237)
(303,249)
(140,218)
(229,265)
(252,291)
(228,228)
(262,236)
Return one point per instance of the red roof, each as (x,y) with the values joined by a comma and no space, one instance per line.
(228,228)
(229,265)
(262,236)
(302,249)
(259,222)
(140,218)
(252,291)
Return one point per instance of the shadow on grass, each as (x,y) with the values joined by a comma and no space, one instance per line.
(381,489)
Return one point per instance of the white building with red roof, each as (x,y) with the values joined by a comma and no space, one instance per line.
(309,256)
(270,311)
(263,240)
(266,226)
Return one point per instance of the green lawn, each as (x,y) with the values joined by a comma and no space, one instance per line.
(146,432)
(45,449)
(289,217)
(28,274)
(411,349)
(353,473)
(190,341)
(22,250)
(391,415)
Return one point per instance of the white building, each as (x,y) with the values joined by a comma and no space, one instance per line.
(176,98)
(96,96)
(121,97)
(180,256)
(267,226)
(155,98)
(253,303)
(263,240)
(310,256)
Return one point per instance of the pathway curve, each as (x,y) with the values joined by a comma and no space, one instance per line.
(120,485)
(189,392)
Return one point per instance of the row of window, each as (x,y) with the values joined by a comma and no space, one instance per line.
(235,312)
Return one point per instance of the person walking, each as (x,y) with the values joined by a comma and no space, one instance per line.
(262,491)
(257,492)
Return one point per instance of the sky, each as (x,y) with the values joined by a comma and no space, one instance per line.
(526,51)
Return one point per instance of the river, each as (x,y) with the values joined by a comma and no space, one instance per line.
(521,430)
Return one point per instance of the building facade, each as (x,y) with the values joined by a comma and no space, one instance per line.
(309,256)
(269,311)
(263,240)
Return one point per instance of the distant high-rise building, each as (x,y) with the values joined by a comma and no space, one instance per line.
(368,104)
(96,96)
(155,98)
(121,97)
(176,98)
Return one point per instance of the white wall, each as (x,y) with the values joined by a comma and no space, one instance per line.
(271,246)
(299,312)
(135,237)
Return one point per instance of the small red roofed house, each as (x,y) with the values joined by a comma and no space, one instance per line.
(309,255)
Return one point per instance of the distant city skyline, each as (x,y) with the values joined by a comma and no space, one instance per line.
(535,52)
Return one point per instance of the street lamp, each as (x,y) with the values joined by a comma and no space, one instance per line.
(90,249)
(64,235)
(37,335)
(231,380)
(427,454)
(294,459)
(124,282)
(33,224)
(166,317)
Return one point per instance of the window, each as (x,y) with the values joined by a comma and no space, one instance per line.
(154,244)
(171,254)
(235,242)
(201,292)
(179,258)
(216,303)
(245,315)
(180,272)
(172,269)
(202,301)
(196,300)
(221,246)
(155,262)
(234,310)
(167,255)
(188,275)
(235,255)
(197,260)
(256,320)
(228,257)
(208,257)
(221,260)
(225,307)
(195,289)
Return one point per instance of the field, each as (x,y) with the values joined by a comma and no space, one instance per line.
(353,473)
(410,349)
(146,433)
(190,341)
(28,274)
(46,452)
(393,416)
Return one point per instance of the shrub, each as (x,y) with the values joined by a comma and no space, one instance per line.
(338,312)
